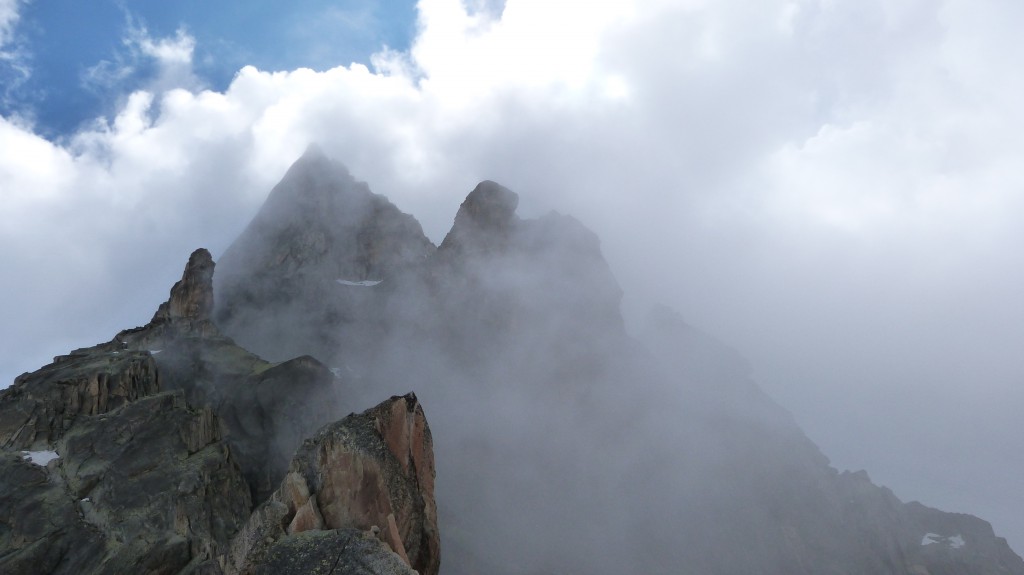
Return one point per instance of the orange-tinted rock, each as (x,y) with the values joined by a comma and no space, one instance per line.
(307,518)
(391,536)
(192,297)
(374,469)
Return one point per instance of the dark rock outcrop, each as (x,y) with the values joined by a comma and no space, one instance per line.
(332,552)
(498,282)
(265,409)
(143,482)
(484,221)
(191,301)
(147,454)
(40,407)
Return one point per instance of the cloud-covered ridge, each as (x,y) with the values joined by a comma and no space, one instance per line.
(830,186)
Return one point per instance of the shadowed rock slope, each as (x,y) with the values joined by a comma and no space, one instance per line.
(566,444)
(318,280)
(157,451)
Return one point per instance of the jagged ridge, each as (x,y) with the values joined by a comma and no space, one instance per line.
(145,482)
(568,444)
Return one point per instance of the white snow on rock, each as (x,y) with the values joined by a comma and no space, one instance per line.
(955,542)
(337,371)
(40,457)
(361,283)
(155,351)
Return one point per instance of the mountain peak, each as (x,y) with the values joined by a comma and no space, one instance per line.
(190,304)
(313,150)
(486,217)
(192,296)
(314,182)
(319,229)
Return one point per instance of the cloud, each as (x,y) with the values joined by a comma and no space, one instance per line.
(14,59)
(830,186)
(9,15)
(156,64)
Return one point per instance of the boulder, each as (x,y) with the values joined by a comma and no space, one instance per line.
(332,552)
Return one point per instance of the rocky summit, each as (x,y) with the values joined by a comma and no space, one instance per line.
(213,439)
(170,449)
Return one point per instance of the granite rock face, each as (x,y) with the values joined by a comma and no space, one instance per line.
(145,482)
(40,407)
(150,453)
(332,552)
(371,473)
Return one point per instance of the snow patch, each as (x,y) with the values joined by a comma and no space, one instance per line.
(154,351)
(40,457)
(361,283)
(954,542)
(337,371)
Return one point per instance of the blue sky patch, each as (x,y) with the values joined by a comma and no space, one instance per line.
(81,59)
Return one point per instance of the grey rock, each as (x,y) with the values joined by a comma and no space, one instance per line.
(265,409)
(39,407)
(111,503)
(333,552)
(41,529)
(278,284)
(146,483)
(484,220)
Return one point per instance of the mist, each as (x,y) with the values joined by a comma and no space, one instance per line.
(830,189)
(562,441)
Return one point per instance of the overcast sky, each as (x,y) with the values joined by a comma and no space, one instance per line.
(834,187)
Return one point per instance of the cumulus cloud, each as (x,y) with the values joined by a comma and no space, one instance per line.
(828,185)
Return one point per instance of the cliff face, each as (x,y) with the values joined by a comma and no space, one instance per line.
(157,451)
(565,443)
